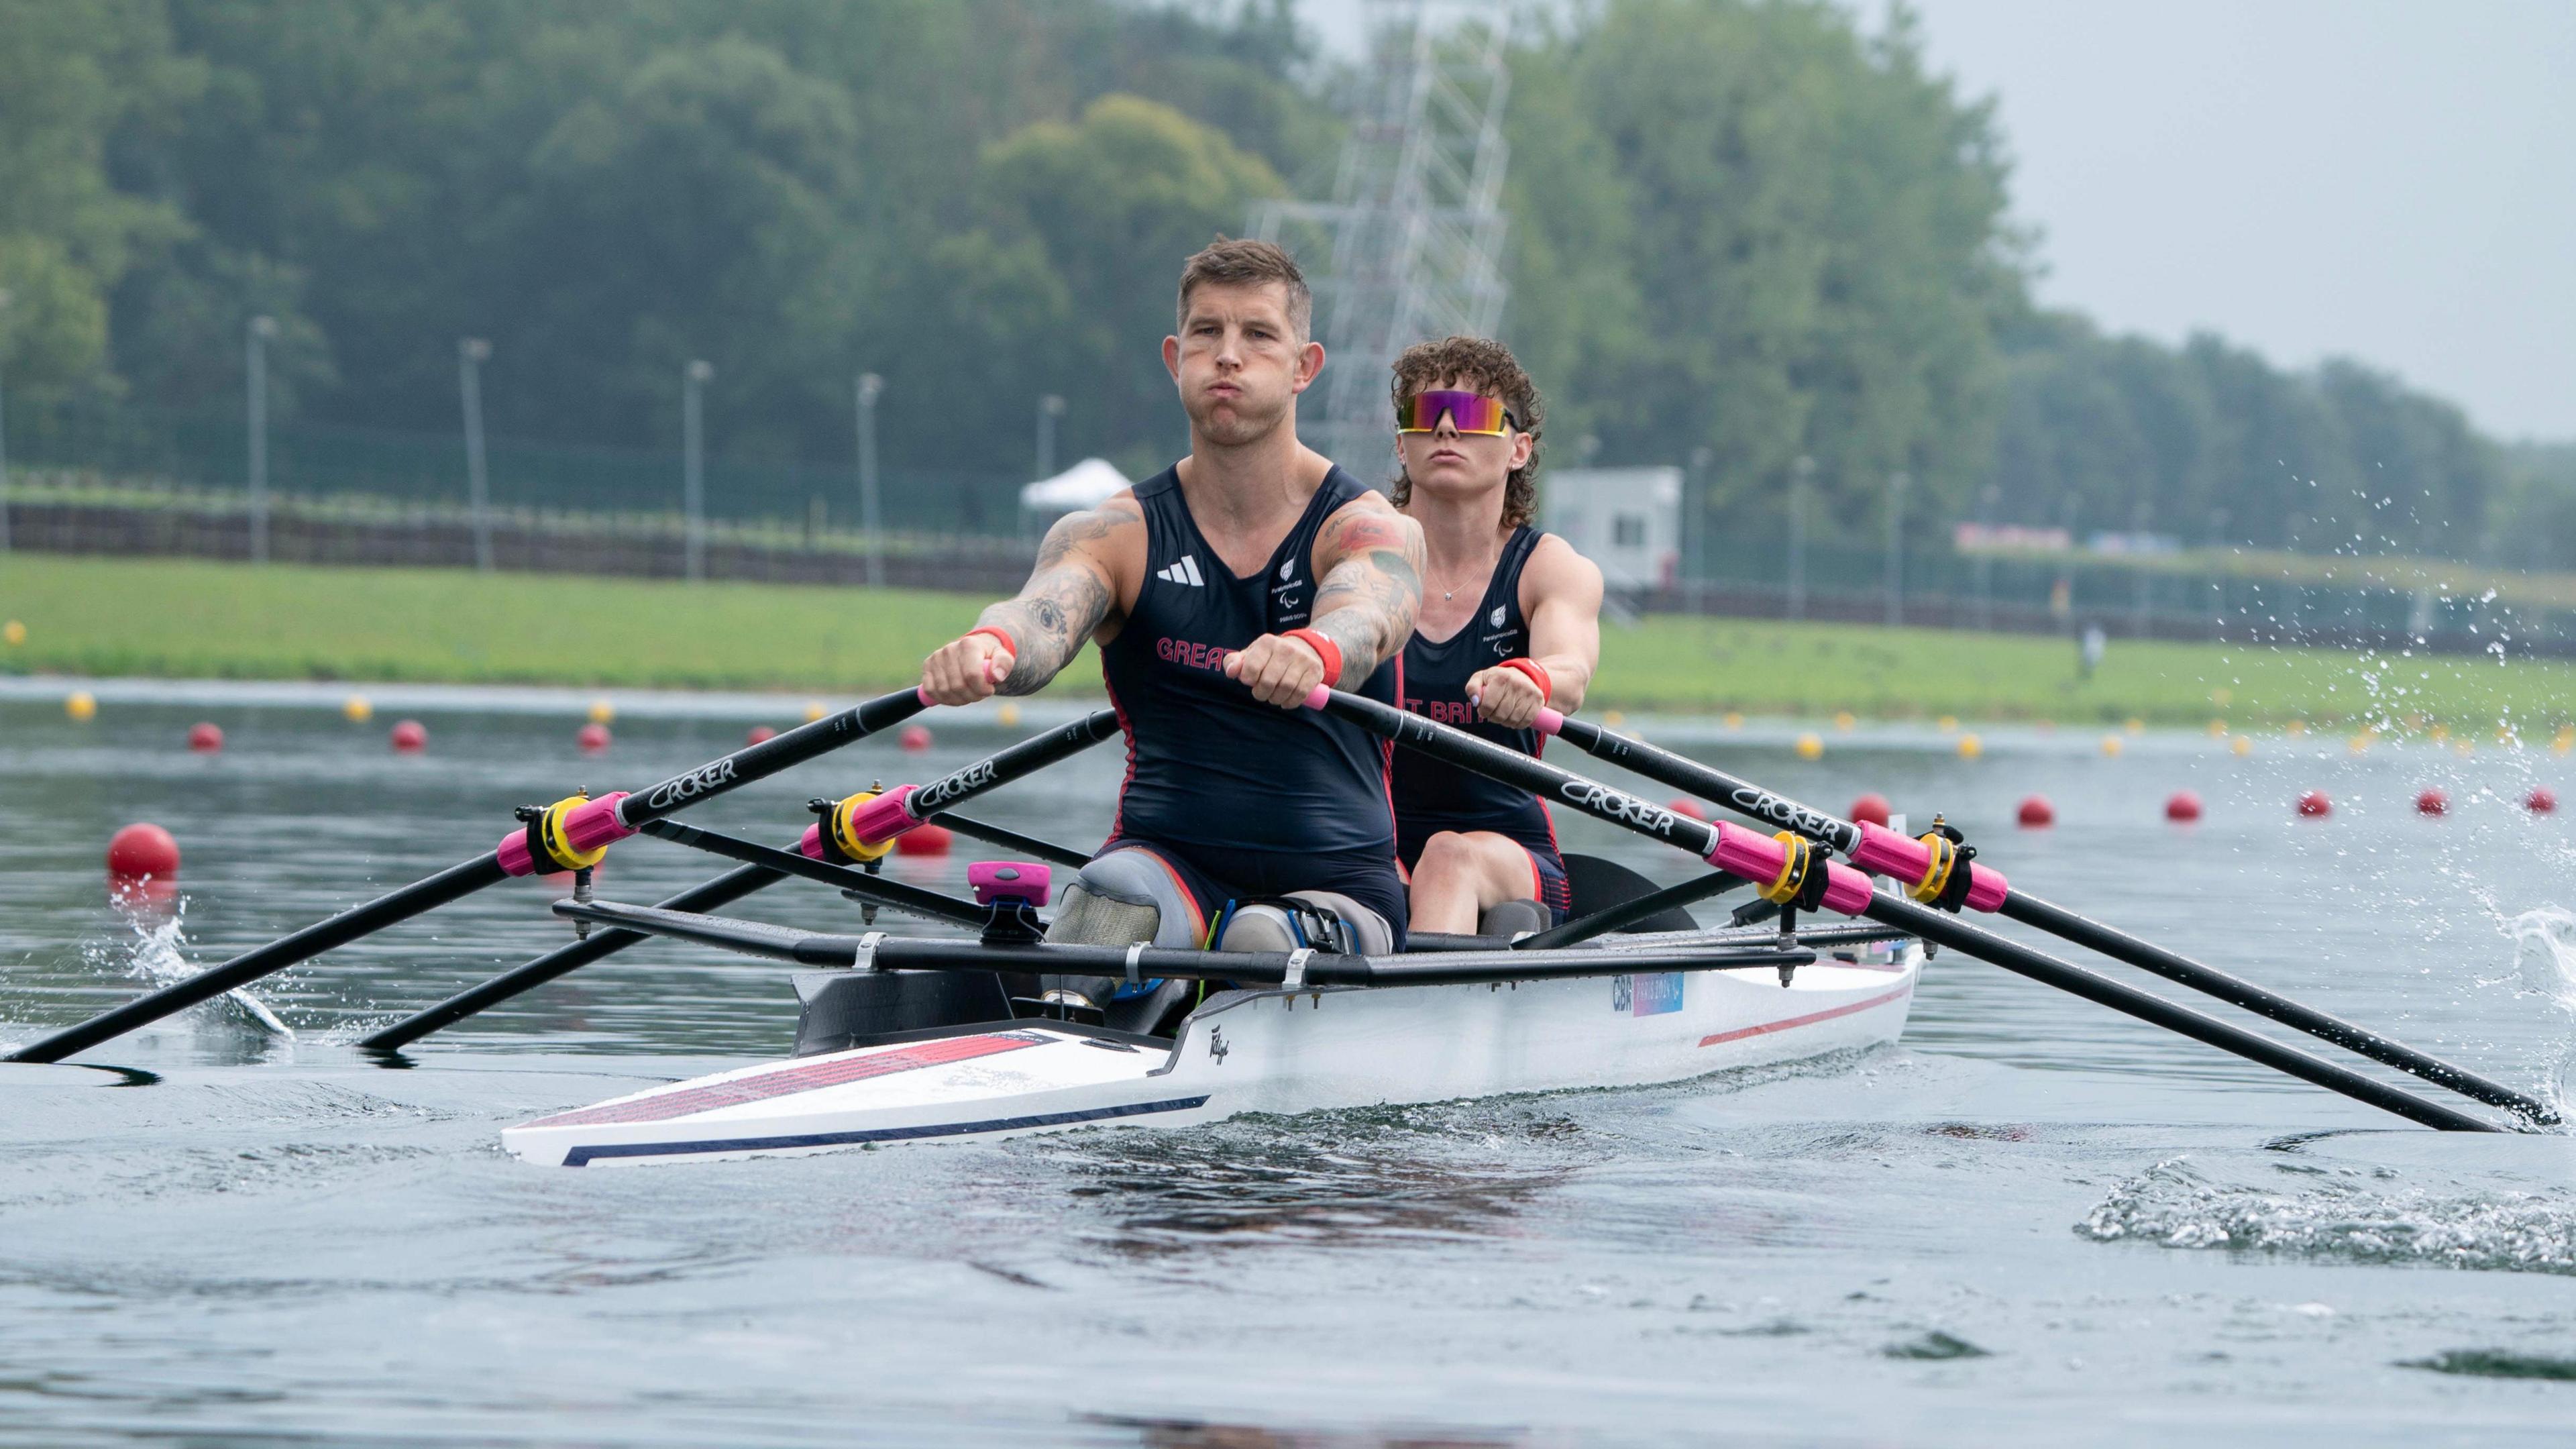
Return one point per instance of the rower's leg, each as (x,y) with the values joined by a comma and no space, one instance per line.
(1128,893)
(1462,875)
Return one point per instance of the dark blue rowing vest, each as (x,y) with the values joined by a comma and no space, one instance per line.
(1207,764)
(1432,796)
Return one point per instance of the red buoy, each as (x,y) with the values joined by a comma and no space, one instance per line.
(2182,805)
(410,737)
(1686,806)
(1871,809)
(2036,813)
(2541,801)
(2315,806)
(205,737)
(760,735)
(924,840)
(142,866)
(593,738)
(914,739)
(2432,802)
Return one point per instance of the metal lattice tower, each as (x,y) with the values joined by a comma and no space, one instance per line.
(1411,245)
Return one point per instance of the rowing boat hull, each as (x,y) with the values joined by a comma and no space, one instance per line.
(1249,1051)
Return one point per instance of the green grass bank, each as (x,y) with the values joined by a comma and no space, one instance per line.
(184,618)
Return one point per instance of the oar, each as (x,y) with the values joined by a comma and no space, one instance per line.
(1883,851)
(579,828)
(1293,969)
(1022,760)
(1611,918)
(1763,860)
(875,890)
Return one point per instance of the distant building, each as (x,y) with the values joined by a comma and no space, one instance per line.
(1627,520)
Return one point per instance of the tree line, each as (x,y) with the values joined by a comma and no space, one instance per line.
(1744,233)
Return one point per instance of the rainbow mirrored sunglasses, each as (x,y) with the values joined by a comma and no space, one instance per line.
(1468,412)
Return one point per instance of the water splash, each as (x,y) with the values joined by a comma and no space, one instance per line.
(2352,1217)
(156,952)
(2544,964)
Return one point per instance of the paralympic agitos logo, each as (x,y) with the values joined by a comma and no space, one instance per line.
(1602,800)
(690,786)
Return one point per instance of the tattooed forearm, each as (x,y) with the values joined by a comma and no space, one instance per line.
(1373,590)
(1065,599)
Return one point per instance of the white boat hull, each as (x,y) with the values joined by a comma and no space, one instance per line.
(1250,1051)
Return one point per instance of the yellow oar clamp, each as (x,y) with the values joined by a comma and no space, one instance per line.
(1936,878)
(546,837)
(1786,887)
(842,830)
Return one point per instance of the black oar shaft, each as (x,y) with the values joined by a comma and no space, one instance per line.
(725,889)
(463,879)
(1028,845)
(1618,808)
(1756,803)
(458,880)
(874,889)
(1611,918)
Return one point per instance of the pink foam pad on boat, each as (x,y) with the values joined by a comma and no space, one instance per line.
(587,828)
(996,880)
(884,818)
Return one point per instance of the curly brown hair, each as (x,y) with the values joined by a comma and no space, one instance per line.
(1488,367)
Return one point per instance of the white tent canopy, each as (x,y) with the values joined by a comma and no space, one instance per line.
(1086,484)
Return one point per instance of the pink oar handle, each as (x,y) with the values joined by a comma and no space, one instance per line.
(1884,852)
(1759,858)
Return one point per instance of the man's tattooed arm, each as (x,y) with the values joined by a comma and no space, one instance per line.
(1370,557)
(1072,592)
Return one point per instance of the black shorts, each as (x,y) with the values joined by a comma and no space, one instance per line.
(1212,877)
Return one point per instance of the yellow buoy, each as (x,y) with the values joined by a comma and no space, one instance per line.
(2438,733)
(2136,726)
(2360,742)
(602,712)
(81,705)
(358,709)
(1009,714)
(2566,740)
(2463,748)
(2243,745)
(814,710)
(1970,747)
(2111,746)
(1614,719)
(2295,728)
(14,632)
(1735,721)
(1949,724)
(1811,747)
(2217,729)
(1843,721)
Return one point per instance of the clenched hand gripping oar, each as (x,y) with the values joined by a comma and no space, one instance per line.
(836,838)
(1775,864)
(569,834)
(1935,874)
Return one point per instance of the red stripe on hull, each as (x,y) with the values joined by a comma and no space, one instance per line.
(791,1080)
(1847,1009)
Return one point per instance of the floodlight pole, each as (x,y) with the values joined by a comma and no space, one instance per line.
(4,431)
(693,465)
(262,328)
(1799,476)
(1693,565)
(1896,483)
(470,355)
(1050,408)
(869,525)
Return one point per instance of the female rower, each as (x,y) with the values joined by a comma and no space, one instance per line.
(1510,621)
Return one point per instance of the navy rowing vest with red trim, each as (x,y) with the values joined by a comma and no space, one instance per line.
(1207,764)
(1432,795)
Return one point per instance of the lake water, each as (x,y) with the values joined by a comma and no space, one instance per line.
(2031,1222)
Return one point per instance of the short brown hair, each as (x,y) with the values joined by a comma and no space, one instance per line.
(1232,262)
(1488,367)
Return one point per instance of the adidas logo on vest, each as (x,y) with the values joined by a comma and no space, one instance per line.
(1186,571)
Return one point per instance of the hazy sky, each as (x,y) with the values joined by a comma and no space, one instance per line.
(2390,180)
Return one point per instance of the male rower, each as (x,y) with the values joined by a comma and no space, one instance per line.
(1221,592)
(1510,622)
